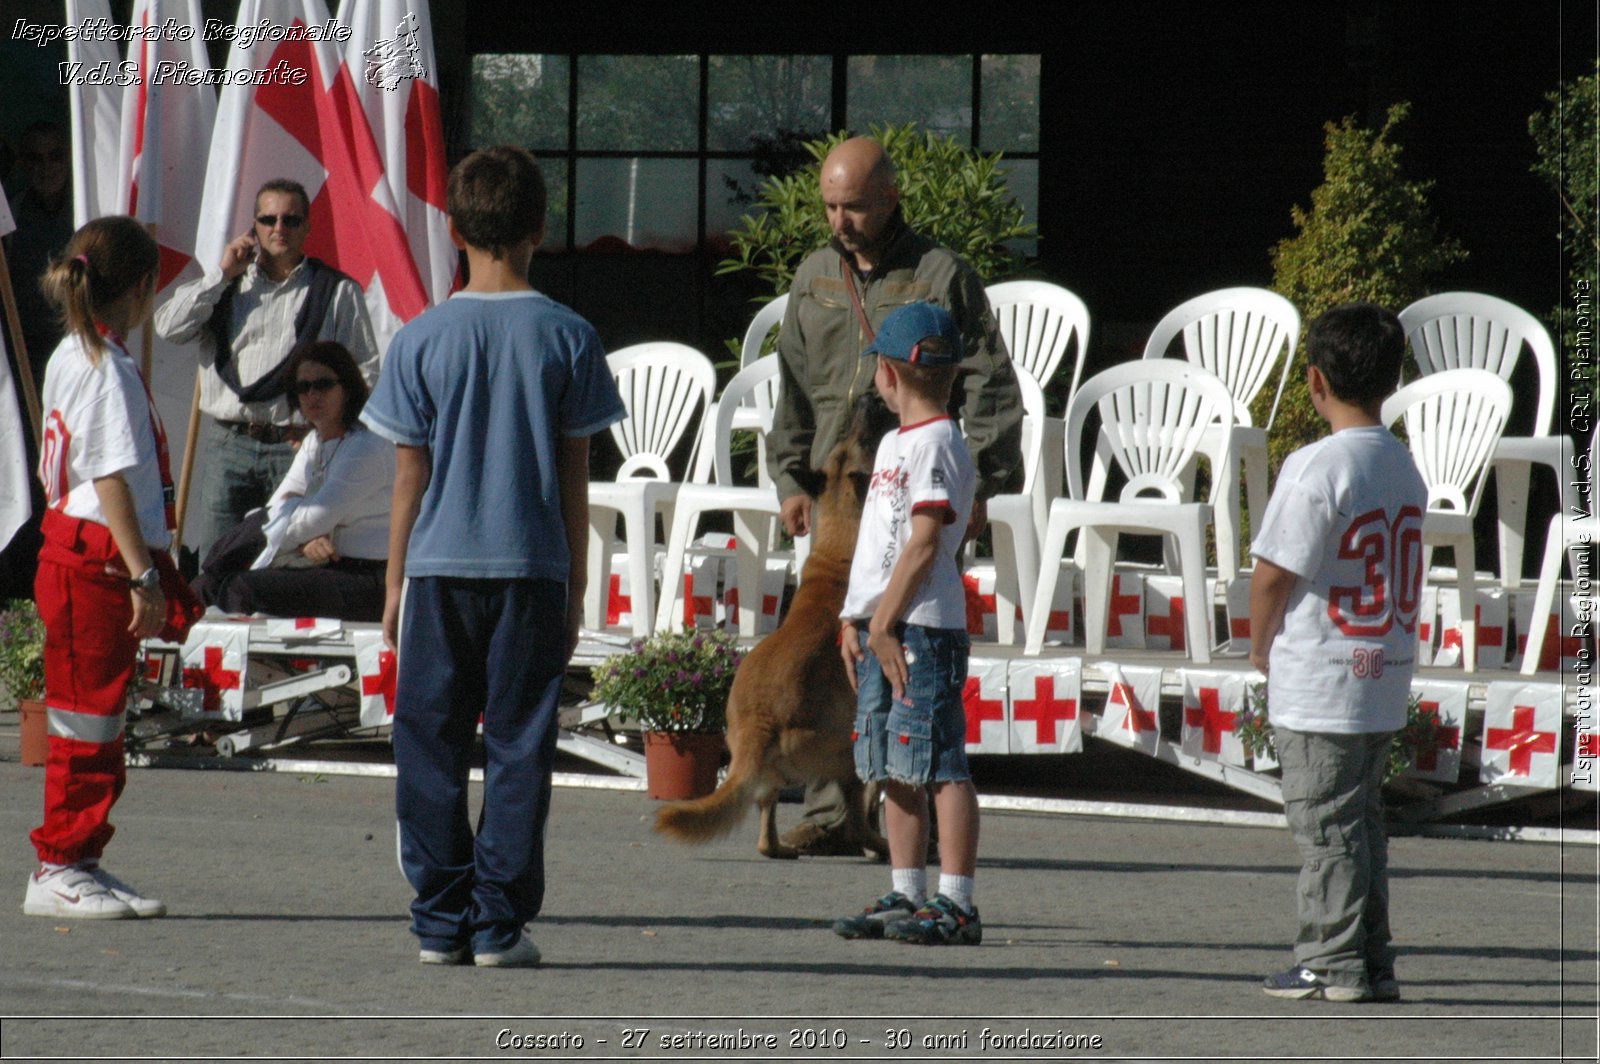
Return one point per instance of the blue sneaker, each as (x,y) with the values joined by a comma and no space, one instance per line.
(877,918)
(1304,983)
(941,922)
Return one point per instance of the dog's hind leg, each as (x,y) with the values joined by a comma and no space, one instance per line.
(769,846)
(863,804)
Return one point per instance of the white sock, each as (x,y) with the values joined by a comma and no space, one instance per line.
(958,889)
(912,882)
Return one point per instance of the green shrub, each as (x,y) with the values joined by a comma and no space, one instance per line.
(1369,235)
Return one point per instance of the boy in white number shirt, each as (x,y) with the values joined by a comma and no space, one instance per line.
(1333,608)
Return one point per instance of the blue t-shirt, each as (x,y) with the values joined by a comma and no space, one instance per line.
(488,382)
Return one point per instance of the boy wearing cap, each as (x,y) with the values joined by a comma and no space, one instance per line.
(904,639)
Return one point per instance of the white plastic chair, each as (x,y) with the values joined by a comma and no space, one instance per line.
(1018,520)
(1153,417)
(1038,321)
(1458,330)
(1241,335)
(1566,533)
(663,386)
(754,388)
(769,317)
(1453,420)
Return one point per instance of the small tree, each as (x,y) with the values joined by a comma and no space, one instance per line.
(1369,235)
(951,193)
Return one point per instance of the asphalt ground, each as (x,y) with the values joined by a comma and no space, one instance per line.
(1104,939)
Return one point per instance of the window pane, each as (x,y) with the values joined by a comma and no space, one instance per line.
(731,187)
(555,219)
(750,96)
(637,203)
(1022,181)
(934,91)
(519,99)
(1010,103)
(638,102)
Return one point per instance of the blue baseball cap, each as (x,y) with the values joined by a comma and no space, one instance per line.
(906,332)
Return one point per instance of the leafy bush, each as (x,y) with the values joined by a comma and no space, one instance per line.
(1369,235)
(673,681)
(1421,732)
(21,650)
(948,192)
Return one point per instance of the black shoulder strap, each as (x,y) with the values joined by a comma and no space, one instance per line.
(322,281)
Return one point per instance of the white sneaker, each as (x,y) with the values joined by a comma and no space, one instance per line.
(72,894)
(522,954)
(144,908)
(459,955)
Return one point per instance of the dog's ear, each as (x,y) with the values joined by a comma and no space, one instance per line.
(870,419)
(860,481)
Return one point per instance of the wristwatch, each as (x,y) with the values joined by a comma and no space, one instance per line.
(149,580)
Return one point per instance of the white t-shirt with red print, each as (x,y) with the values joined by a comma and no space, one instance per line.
(921,468)
(98,421)
(1346,518)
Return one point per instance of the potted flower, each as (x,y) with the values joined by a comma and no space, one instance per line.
(1421,732)
(22,674)
(675,686)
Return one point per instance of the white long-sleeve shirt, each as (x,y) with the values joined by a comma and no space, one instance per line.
(262,334)
(339,487)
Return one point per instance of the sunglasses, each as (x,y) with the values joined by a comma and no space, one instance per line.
(321,384)
(269,221)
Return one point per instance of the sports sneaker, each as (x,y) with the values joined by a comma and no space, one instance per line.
(1304,983)
(521,954)
(144,908)
(872,921)
(941,922)
(72,894)
(1385,987)
(459,955)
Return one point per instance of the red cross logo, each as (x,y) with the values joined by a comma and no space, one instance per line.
(979,605)
(694,605)
(1210,719)
(979,709)
(1120,604)
(1138,719)
(1521,740)
(211,678)
(1445,738)
(1488,636)
(382,682)
(1239,627)
(616,602)
(769,605)
(1044,709)
(1171,625)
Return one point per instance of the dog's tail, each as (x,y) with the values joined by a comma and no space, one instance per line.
(704,819)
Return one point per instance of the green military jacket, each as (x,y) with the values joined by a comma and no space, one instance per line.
(820,347)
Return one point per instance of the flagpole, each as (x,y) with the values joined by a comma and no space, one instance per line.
(149,334)
(187,474)
(30,393)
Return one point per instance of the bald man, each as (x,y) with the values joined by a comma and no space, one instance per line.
(841,294)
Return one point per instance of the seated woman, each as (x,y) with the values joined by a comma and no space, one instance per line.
(327,526)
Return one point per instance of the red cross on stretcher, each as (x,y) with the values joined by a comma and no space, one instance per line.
(382,682)
(980,709)
(1138,718)
(1209,717)
(1445,738)
(1120,604)
(1488,635)
(616,602)
(1171,625)
(694,605)
(1044,709)
(211,678)
(1522,740)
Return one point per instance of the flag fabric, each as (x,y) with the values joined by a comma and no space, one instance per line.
(8,224)
(1045,695)
(394,72)
(1212,701)
(1521,734)
(1132,711)
(164,115)
(15,505)
(99,187)
(288,108)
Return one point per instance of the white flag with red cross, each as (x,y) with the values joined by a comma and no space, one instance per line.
(700,590)
(215,659)
(773,580)
(1125,612)
(165,115)
(1427,625)
(978,585)
(375,673)
(1521,734)
(1132,714)
(1446,703)
(98,187)
(16,502)
(1493,616)
(1238,613)
(1046,699)
(290,109)
(1165,611)
(1585,755)
(619,593)
(291,628)
(395,75)
(984,698)
(1212,705)
(1066,606)
(1563,647)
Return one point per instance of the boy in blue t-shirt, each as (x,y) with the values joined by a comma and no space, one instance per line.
(491,399)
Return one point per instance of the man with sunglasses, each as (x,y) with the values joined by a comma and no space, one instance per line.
(264,301)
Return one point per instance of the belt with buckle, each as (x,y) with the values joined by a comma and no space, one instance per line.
(260,431)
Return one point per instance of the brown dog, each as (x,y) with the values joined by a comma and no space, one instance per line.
(791,711)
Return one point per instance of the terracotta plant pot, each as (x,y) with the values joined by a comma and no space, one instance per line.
(682,764)
(35,732)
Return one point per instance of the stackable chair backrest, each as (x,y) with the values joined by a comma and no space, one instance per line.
(1452,419)
(1470,330)
(751,396)
(1038,322)
(1567,531)
(664,385)
(1239,334)
(755,337)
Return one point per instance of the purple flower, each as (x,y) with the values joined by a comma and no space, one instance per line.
(638,674)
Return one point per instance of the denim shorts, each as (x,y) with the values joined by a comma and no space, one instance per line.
(922,739)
